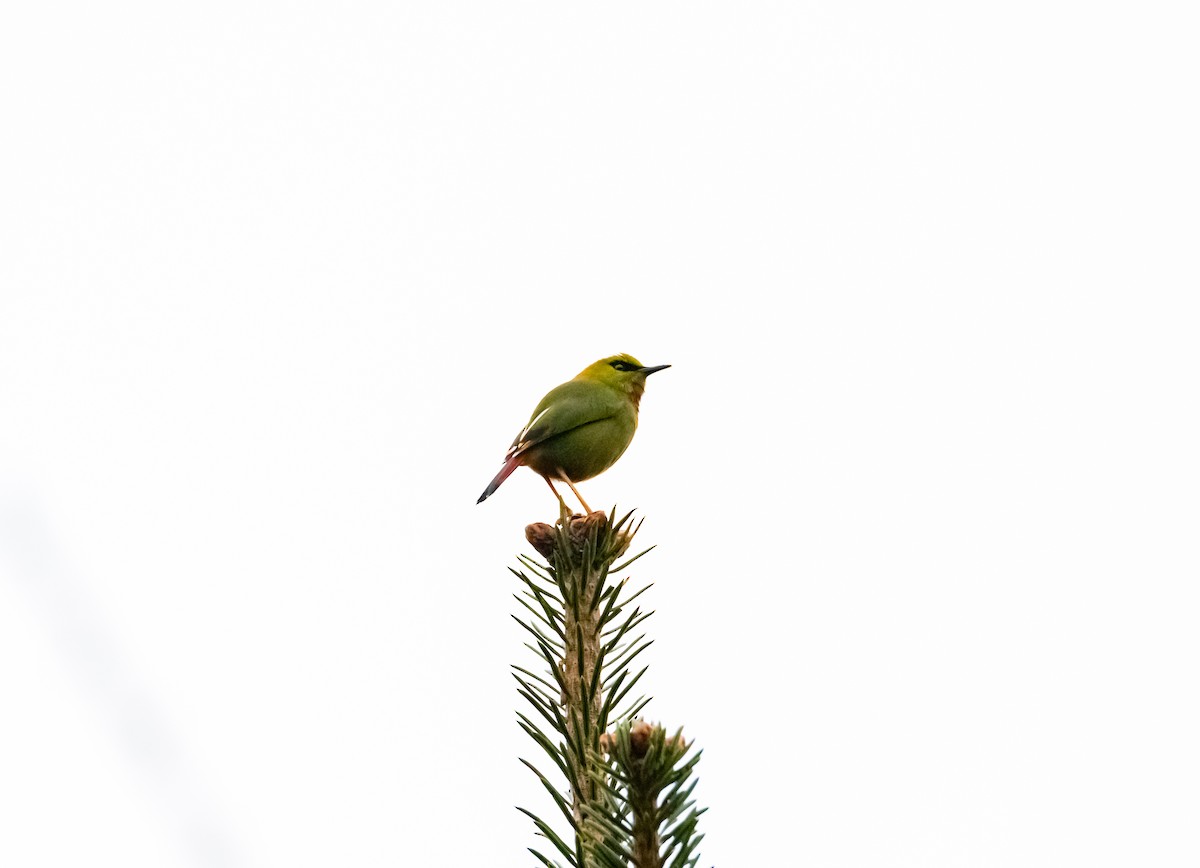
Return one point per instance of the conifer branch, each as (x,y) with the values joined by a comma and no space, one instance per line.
(626,801)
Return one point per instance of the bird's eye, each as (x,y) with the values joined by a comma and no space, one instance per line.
(620,366)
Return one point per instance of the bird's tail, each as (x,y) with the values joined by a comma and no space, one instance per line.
(509,466)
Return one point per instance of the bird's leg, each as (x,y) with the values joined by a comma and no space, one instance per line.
(564,511)
(587,510)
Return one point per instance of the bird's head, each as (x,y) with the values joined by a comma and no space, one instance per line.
(622,372)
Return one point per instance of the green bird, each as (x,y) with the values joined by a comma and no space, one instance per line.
(580,428)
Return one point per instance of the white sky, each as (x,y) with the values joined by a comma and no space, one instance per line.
(279,282)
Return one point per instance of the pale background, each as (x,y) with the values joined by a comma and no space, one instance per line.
(279,282)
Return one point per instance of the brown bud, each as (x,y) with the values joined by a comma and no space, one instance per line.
(541,536)
(581,526)
(639,739)
(606,743)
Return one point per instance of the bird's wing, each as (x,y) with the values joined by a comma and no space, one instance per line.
(565,407)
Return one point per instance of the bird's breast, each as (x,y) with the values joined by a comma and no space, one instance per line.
(586,451)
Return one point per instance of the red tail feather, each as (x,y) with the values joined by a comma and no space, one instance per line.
(509,466)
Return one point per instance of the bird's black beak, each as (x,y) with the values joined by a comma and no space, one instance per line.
(649,371)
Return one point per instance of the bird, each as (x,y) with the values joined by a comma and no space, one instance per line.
(580,428)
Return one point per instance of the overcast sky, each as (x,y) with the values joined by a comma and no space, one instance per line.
(280,282)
